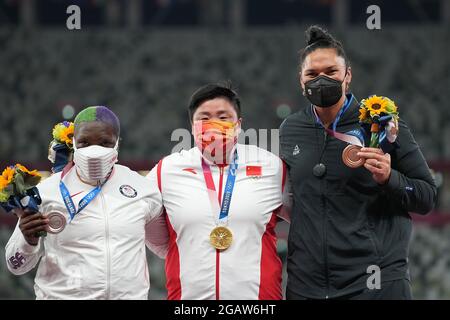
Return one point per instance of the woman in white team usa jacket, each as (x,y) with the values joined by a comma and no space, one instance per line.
(101,252)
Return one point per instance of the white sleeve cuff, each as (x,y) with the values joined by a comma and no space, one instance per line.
(27,248)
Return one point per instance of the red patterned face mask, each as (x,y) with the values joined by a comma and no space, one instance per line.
(215,138)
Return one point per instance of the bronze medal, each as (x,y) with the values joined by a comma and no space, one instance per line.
(350,156)
(56,222)
(221,238)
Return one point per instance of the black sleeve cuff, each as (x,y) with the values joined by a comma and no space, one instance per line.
(394,183)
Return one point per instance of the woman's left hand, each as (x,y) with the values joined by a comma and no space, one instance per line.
(378,163)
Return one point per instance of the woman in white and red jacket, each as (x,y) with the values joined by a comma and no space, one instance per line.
(222,202)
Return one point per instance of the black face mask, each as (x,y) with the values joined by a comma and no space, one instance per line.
(323,91)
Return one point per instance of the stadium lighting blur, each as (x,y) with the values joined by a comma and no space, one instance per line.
(68,112)
(283,110)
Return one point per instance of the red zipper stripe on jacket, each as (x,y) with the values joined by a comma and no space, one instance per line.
(172,266)
(217,250)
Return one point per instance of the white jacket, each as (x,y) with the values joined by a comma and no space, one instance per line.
(250,268)
(101,254)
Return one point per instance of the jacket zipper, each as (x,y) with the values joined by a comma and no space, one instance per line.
(325,221)
(108,254)
(219,195)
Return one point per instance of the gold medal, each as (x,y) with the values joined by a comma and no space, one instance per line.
(351,158)
(221,238)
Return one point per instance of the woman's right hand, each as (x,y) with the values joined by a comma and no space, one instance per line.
(31,224)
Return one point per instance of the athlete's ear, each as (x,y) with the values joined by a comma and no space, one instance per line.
(302,84)
(119,143)
(238,126)
(348,79)
(192,126)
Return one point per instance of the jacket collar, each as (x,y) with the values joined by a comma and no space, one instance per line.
(347,117)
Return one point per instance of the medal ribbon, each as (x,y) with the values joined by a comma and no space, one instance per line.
(83,202)
(228,191)
(352,137)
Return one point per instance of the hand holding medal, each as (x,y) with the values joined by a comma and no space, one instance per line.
(379,120)
(18,194)
(379,117)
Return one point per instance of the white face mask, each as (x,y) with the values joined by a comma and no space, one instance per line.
(94,163)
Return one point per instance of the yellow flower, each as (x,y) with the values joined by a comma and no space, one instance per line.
(67,135)
(6,178)
(363,114)
(3,183)
(375,105)
(63,132)
(33,173)
(391,108)
(8,174)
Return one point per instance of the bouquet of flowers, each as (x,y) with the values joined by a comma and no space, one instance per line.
(18,188)
(61,147)
(379,119)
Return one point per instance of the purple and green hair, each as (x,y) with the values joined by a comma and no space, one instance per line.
(98,113)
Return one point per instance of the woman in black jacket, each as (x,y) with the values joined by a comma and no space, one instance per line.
(350,228)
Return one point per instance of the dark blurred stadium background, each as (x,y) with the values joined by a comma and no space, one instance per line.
(143,58)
